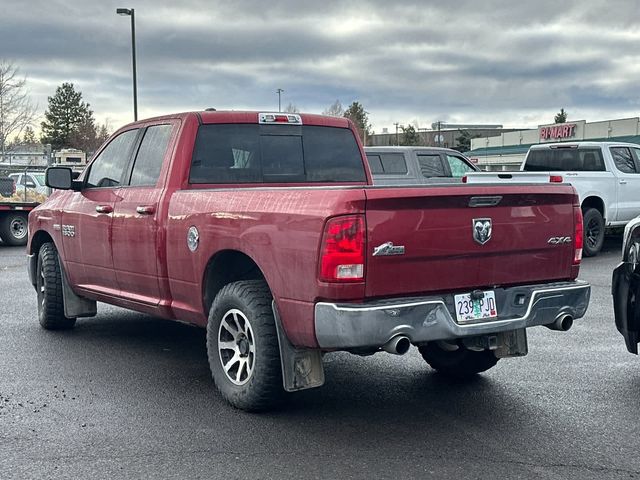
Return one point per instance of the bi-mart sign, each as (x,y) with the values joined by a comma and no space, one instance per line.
(559,131)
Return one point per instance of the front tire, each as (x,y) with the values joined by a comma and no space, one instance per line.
(593,232)
(49,288)
(242,346)
(456,360)
(13,229)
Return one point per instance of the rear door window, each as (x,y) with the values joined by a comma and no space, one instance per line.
(623,159)
(431,166)
(146,169)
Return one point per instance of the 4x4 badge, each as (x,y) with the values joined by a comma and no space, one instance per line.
(481,230)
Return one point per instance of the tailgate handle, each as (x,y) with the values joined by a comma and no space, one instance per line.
(485,201)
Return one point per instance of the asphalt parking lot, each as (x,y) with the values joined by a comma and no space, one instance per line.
(125,395)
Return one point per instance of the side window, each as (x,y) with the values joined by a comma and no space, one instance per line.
(393,163)
(431,166)
(107,169)
(623,159)
(458,166)
(146,169)
(375,163)
(387,163)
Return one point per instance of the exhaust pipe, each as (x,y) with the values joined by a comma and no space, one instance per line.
(398,345)
(562,323)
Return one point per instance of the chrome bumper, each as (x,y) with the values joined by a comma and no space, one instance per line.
(348,326)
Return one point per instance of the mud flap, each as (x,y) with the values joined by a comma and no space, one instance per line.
(74,305)
(302,368)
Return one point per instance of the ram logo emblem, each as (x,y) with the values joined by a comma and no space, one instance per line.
(481,230)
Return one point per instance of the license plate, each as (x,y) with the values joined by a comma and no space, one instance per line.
(468,310)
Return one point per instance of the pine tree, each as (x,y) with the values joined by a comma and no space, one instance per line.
(29,137)
(410,136)
(67,119)
(357,114)
(561,116)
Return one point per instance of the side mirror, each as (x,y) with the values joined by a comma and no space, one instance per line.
(60,178)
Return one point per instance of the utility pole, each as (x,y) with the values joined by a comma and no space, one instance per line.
(279,92)
(397,138)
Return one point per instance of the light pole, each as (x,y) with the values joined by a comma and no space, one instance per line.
(279,92)
(131,12)
(397,138)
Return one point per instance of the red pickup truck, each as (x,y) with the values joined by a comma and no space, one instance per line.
(265,229)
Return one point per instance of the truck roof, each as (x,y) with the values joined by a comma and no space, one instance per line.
(579,144)
(404,148)
(233,116)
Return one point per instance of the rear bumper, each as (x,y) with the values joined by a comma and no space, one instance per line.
(425,319)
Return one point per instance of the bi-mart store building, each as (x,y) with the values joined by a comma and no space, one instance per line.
(507,151)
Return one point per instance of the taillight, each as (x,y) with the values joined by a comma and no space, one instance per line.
(555,178)
(578,235)
(342,250)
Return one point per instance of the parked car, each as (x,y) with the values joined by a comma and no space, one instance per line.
(625,287)
(265,229)
(417,165)
(30,180)
(606,176)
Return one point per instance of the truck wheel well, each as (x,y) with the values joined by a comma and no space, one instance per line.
(593,202)
(226,267)
(39,238)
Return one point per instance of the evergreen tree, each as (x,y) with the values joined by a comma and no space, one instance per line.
(410,136)
(29,137)
(67,120)
(561,116)
(359,116)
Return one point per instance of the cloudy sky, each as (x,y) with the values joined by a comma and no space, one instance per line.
(514,63)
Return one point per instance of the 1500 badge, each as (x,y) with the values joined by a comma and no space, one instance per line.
(69,230)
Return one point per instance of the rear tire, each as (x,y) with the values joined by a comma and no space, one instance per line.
(49,288)
(456,360)
(13,229)
(593,232)
(242,346)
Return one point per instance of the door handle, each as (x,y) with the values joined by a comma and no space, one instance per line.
(104,209)
(623,182)
(145,209)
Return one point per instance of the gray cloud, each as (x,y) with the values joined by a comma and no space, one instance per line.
(406,61)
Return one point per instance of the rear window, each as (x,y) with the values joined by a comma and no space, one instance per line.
(251,153)
(565,159)
(387,163)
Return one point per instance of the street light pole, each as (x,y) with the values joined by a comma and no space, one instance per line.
(131,12)
(397,138)
(279,92)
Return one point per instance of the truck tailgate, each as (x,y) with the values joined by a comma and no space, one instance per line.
(436,225)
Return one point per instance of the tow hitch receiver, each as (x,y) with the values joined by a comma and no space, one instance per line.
(503,345)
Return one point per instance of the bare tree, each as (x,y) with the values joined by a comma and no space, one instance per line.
(16,110)
(292,108)
(334,110)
